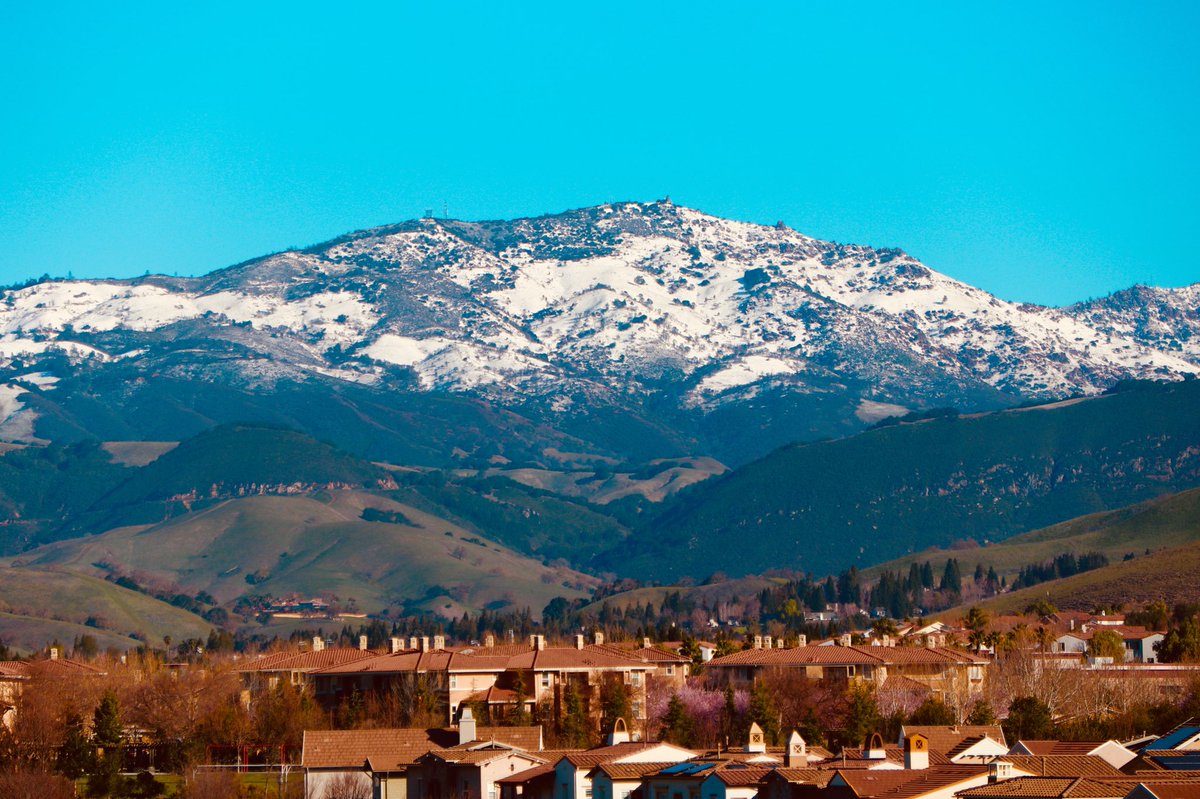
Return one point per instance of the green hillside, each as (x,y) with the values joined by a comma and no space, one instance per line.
(903,488)
(1169,575)
(320,545)
(53,599)
(1156,524)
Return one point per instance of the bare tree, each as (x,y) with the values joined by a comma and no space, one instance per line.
(348,786)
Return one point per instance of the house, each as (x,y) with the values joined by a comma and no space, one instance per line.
(620,780)
(385,756)
(267,671)
(1139,642)
(1111,752)
(961,743)
(469,771)
(950,674)
(499,676)
(16,674)
(571,777)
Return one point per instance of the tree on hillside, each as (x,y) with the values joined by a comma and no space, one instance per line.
(951,577)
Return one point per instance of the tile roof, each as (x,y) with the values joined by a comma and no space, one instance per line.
(741,775)
(1062,765)
(50,667)
(394,748)
(630,771)
(946,738)
(566,658)
(846,655)
(591,758)
(529,774)
(804,776)
(306,661)
(1174,790)
(1054,748)
(856,757)
(908,784)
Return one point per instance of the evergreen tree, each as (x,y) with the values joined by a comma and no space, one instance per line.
(733,729)
(982,714)
(574,730)
(933,712)
(763,713)
(77,754)
(952,577)
(1028,718)
(678,726)
(614,704)
(862,715)
(106,721)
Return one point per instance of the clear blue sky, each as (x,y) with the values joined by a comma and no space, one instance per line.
(1044,151)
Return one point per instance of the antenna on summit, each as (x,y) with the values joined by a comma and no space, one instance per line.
(445,210)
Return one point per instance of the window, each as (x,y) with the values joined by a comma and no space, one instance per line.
(453,680)
(670,669)
(545,679)
(637,709)
(635,678)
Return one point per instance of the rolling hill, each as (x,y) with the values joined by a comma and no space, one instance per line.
(1148,527)
(898,489)
(320,545)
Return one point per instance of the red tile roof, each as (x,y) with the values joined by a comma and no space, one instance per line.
(397,748)
(1062,765)
(946,738)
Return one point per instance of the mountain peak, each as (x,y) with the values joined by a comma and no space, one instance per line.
(624,306)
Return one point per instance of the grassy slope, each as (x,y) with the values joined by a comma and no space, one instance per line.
(37,594)
(876,496)
(1170,521)
(316,545)
(718,592)
(1169,575)
(28,634)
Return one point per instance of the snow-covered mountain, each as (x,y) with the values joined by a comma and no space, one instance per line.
(683,321)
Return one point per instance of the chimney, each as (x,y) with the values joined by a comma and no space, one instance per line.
(803,641)
(797,752)
(537,642)
(916,752)
(318,643)
(757,742)
(362,642)
(886,640)
(424,643)
(845,640)
(999,770)
(413,643)
(395,645)
(758,642)
(466,727)
(875,748)
(598,639)
(767,643)
(619,734)
(645,643)
(54,653)
(579,642)
(1072,623)
(489,640)
(439,642)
